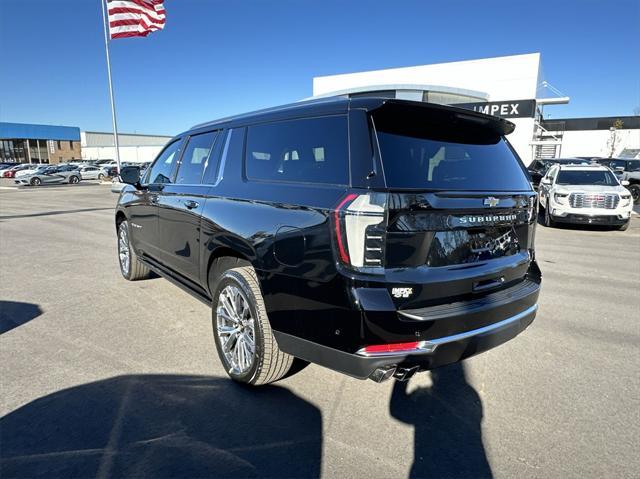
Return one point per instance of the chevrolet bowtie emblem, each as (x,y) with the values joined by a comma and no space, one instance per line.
(491,202)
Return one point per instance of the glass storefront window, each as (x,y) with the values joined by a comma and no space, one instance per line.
(15,151)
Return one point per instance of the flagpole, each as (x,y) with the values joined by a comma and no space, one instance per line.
(113,104)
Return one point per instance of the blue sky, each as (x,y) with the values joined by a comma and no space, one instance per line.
(216,57)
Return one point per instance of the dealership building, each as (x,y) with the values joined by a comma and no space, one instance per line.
(512,87)
(23,143)
(28,143)
(134,148)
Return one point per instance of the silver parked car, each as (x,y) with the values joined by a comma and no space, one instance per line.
(51,175)
(91,173)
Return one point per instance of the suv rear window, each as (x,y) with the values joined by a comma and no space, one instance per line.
(310,150)
(462,155)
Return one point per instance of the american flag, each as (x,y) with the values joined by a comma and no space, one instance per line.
(135,18)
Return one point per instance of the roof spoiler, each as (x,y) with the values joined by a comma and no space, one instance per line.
(449,113)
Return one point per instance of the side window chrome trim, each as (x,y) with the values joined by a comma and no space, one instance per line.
(216,139)
(223,159)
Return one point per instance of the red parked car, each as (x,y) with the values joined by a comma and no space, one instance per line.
(11,172)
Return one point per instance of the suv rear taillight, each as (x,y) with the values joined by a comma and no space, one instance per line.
(360,223)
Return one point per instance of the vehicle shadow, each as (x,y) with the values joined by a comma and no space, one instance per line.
(447,418)
(15,313)
(163,426)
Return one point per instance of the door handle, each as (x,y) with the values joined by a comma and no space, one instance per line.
(190,204)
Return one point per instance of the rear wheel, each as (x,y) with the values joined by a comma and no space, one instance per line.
(35,182)
(243,335)
(130,267)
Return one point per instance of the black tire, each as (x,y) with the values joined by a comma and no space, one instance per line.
(35,182)
(268,363)
(635,193)
(101,177)
(74,180)
(135,270)
(625,226)
(547,220)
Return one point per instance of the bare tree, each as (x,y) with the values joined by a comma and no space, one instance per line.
(614,136)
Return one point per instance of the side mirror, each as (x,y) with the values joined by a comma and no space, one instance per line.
(625,183)
(546,181)
(130,175)
(619,168)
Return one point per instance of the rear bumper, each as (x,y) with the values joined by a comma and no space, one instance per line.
(429,354)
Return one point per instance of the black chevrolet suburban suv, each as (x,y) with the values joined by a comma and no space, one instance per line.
(374,236)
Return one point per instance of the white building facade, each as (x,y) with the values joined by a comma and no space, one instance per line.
(512,87)
(134,148)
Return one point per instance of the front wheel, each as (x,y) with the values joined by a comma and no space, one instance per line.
(243,335)
(625,226)
(35,182)
(548,221)
(130,267)
(73,180)
(101,177)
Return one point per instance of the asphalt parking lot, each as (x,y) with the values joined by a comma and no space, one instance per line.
(102,377)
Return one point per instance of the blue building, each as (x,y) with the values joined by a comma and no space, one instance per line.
(25,143)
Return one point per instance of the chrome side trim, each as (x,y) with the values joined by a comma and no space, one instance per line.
(429,346)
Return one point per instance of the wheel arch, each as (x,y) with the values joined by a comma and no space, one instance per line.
(120,217)
(216,264)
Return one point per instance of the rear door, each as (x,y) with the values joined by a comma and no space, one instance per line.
(460,206)
(180,205)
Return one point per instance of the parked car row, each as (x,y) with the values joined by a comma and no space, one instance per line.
(627,170)
(36,174)
(9,170)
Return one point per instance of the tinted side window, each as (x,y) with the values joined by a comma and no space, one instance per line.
(162,169)
(313,150)
(195,157)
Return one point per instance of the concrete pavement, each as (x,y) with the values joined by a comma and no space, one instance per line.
(103,377)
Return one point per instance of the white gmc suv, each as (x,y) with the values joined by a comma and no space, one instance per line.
(585,194)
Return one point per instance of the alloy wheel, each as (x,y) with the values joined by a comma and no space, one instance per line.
(235,327)
(123,248)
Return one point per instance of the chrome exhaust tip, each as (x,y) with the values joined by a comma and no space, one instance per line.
(404,374)
(382,374)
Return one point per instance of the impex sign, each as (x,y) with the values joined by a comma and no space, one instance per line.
(504,109)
